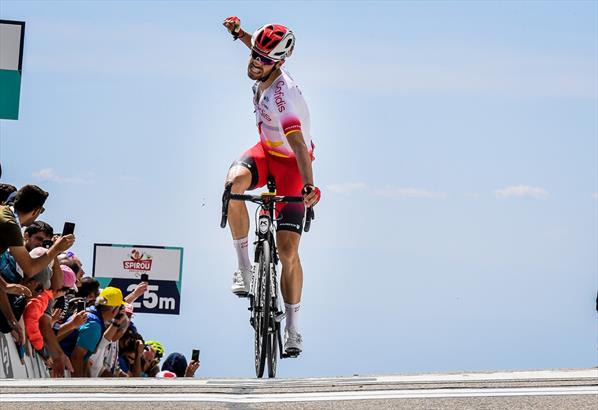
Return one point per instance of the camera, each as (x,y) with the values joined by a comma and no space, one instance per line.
(47,243)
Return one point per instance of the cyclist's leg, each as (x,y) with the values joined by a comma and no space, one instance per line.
(292,273)
(289,182)
(238,218)
(291,284)
(248,172)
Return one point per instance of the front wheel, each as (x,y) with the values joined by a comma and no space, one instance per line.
(273,348)
(262,310)
(274,330)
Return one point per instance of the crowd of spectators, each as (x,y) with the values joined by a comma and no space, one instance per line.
(51,308)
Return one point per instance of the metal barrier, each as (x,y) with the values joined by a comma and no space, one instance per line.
(11,366)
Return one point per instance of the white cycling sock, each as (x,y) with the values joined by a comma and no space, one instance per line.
(292,314)
(242,248)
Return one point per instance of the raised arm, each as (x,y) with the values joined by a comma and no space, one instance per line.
(33,266)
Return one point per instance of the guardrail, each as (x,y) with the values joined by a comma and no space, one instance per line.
(11,366)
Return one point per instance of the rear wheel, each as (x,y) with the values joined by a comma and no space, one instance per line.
(262,310)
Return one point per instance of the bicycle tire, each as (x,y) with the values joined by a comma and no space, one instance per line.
(274,334)
(263,311)
(273,349)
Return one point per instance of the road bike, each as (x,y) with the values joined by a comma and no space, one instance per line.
(264,299)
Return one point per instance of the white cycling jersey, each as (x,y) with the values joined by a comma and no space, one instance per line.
(281,111)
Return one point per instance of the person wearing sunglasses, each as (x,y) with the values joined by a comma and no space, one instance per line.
(22,208)
(285,153)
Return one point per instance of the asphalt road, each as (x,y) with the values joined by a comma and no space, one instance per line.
(550,389)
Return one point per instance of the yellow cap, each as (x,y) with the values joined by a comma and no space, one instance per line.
(111,296)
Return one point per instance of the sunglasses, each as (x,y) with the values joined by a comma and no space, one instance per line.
(264,60)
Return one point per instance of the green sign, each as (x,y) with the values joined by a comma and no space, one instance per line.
(12,34)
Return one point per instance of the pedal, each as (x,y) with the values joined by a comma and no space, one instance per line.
(278,318)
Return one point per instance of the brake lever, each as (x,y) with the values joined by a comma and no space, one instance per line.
(309,215)
(225,201)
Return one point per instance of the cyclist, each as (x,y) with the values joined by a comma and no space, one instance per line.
(284,153)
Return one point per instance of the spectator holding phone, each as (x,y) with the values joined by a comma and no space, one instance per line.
(27,206)
(83,342)
(139,290)
(177,364)
(86,295)
(71,324)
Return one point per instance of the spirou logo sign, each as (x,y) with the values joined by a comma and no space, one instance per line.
(138,262)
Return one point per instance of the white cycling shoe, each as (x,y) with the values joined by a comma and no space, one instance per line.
(241,282)
(293,343)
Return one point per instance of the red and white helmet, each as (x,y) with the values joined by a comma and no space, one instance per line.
(274,41)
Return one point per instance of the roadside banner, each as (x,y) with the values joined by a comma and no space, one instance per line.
(122,266)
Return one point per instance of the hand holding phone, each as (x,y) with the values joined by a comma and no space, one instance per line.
(193,364)
(144,277)
(80,305)
(63,243)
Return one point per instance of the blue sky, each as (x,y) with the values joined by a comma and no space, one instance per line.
(456,147)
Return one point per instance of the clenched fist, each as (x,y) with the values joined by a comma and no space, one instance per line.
(233,25)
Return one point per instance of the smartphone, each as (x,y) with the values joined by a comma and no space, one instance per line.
(69,228)
(144,277)
(59,303)
(195,355)
(80,305)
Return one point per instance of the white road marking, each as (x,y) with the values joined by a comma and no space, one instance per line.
(297,397)
(324,381)
(494,376)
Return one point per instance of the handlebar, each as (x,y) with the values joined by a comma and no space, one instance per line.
(261,199)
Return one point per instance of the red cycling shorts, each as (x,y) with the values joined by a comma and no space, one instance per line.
(287,177)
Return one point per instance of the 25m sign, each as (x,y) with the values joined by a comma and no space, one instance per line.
(161,297)
(122,266)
